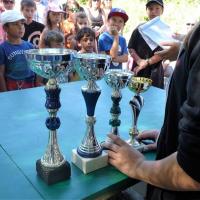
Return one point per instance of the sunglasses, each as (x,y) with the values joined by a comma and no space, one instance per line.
(95,0)
(74,10)
(7,2)
(190,24)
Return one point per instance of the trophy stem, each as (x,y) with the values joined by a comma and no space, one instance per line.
(89,147)
(136,104)
(52,167)
(115,112)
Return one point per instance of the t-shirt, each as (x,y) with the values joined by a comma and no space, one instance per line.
(33,32)
(181,128)
(105,43)
(155,71)
(12,56)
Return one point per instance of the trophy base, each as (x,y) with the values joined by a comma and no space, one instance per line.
(53,175)
(89,164)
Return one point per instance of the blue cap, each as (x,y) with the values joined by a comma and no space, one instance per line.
(118,12)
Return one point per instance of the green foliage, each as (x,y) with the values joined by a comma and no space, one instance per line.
(82,2)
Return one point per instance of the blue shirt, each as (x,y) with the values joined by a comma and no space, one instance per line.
(105,43)
(12,56)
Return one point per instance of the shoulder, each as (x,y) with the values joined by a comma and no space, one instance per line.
(27,44)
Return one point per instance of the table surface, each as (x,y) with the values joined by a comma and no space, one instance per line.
(24,137)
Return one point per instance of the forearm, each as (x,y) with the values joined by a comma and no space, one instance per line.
(167,174)
(121,59)
(114,48)
(153,60)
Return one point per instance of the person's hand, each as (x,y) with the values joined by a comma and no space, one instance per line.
(171,52)
(123,156)
(149,134)
(141,65)
(113,30)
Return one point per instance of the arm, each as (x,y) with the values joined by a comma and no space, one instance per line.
(165,173)
(3,87)
(170,53)
(121,59)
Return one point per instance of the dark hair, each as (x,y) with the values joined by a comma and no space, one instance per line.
(27,3)
(85,31)
(53,36)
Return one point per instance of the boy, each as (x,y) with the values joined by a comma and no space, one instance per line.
(33,29)
(145,63)
(111,42)
(14,71)
(86,40)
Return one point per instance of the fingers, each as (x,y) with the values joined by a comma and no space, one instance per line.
(150,147)
(110,146)
(117,140)
(148,134)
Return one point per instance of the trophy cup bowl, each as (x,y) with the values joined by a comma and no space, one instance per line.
(49,63)
(91,67)
(117,79)
(137,85)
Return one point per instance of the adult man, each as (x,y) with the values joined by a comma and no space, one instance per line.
(175,174)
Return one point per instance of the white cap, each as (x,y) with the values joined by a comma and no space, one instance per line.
(11,16)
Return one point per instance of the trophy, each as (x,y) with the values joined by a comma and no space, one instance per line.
(91,67)
(117,79)
(50,63)
(137,85)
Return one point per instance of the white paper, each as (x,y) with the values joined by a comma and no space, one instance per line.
(155,32)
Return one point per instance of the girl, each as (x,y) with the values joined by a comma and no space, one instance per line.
(96,16)
(111,42)
(54,21)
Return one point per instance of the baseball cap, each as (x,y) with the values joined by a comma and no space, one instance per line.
(11,16)
(160,2)
(118,12)
(54,8)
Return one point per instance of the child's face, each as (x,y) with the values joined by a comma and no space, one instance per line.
(55,17)
(54,44)
(82,22)
(96,3)
(15,29)
(116,22)
(28,13)
(87,44)
(154,10)
(8,4)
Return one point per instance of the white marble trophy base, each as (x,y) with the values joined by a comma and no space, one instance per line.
(89,164)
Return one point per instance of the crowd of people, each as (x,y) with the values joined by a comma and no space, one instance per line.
(50,24)
(98,28)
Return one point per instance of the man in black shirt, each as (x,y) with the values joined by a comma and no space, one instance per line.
(33,29)
(175,175)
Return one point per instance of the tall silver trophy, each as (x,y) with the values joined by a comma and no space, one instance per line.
(137,85)
(49,64)
(91,67)
(117,79)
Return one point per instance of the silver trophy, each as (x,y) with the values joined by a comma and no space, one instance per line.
(137,85)
(91,67)
(117,79)
(49,64)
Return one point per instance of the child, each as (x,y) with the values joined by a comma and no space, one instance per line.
(14,71)
(54,21)
(86,39)
(146,64)
(111,42)
(55,39)
(81,21)
(33,29)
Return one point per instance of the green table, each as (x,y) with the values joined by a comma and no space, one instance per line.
(24,136)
